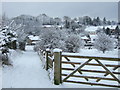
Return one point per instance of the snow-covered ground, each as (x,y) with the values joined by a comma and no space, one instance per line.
(95,52)
(27,71)
(0,77)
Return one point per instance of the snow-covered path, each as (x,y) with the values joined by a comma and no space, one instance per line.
(27,72)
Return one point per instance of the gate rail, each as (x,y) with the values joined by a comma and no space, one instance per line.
(55,61)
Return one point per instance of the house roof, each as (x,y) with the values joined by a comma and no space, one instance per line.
(33,37)
(84,37)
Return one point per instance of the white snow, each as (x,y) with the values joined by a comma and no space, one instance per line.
(0,77)
(94,28)
(94,52)
(84,37)
(47,49)
(91,28)
(111,26)
(27,72)
(57,50)
(33,37)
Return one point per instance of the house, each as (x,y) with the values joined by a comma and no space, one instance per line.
(91,30)
(85,38)
(32,40)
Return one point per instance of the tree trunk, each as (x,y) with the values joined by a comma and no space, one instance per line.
(22,46)
(104,51)
(14,45)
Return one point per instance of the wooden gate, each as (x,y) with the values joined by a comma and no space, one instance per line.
(61,59)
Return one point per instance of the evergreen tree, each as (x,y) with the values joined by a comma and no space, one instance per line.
(67,21)
(108,31)
(87,20)
(117,32)
(98,21)
(104,21)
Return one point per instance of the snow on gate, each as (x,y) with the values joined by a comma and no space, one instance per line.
(90,70)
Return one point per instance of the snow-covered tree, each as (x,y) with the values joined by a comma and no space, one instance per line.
(74,25)
(73,43)
(96,21)
(87,20)
(50,39)
(57,20)
(67,21)
(103,42)
(117,32)
(107,31)
(7,38)
(21,38)
(104,21)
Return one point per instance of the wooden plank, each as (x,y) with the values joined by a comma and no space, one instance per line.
(108,70)
(69,61)
(91,57)
(84,70)
(93,64)
(50,62)
(92,77)
(75,70)
(50,66)
(74,66)
(50,58)
(46,57)
(57,68)
(89,83)
(106,74)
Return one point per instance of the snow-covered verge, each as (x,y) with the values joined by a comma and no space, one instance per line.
(27,72)
(0,77)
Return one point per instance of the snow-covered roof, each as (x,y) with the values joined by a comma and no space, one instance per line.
(93,36)
(84,37)
(33,37)
(47,26)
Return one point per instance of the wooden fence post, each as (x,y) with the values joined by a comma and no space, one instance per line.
(57,66)
(46,56)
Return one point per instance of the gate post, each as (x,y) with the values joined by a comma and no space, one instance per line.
(46,57)
(57,66)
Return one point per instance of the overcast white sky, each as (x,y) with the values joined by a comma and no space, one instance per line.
(72,9)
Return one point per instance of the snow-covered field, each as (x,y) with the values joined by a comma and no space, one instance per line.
(27,71)
(95,52)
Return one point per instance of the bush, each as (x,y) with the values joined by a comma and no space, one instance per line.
(73,43)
